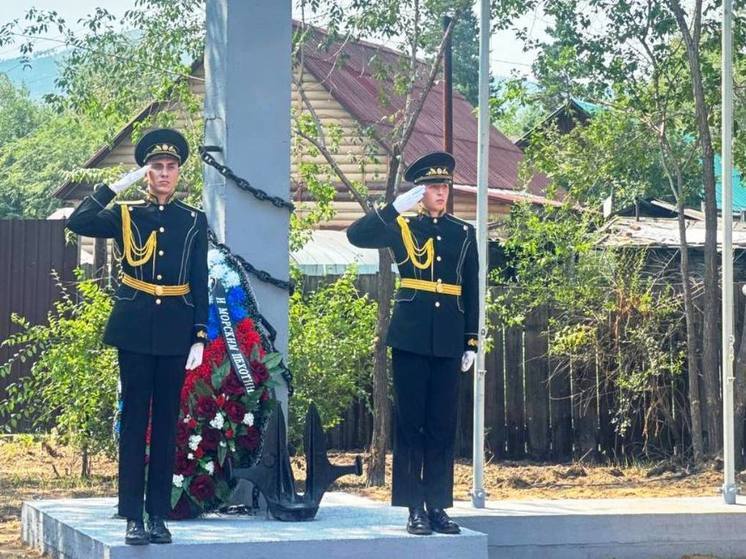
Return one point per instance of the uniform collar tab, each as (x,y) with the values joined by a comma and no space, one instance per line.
(150,197)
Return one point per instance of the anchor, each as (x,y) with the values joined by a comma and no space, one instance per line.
(273,474)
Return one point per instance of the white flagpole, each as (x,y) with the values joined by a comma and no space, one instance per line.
(477,491)
(729,483)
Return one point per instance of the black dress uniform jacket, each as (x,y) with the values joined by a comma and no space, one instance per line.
(140,322)
(428,323)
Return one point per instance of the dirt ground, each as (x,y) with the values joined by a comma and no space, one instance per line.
(33,469)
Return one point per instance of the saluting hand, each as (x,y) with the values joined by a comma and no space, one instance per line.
(195,356)
(129,179)
(409,199)
(467,360)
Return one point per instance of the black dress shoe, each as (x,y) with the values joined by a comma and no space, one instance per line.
(441,523)
(135,534)
(158,531)
(418,524)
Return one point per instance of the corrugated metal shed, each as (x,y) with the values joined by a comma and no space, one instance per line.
(662,233)
(330,253)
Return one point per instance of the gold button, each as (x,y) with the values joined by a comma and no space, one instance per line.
(160,253)
(435,220)
(161,229)
(129,208)
(438,237)
(157,301)
(158,290)
(437,303)
(437,258)
(160,208)
(465,228)
(194,214)
(159,277)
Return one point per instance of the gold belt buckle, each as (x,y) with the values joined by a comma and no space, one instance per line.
(439,287)
(158,290)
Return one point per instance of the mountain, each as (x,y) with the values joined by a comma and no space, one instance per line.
(39,77)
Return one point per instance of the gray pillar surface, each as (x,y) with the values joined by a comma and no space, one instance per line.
(247,114)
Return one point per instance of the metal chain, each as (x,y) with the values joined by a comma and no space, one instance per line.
(262,275)
(242,183)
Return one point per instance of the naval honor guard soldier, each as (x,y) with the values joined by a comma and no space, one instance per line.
(158,322)
(432,334)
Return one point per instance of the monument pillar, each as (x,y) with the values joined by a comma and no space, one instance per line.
(247,115)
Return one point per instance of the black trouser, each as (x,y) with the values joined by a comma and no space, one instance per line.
(425,399)
(144,377)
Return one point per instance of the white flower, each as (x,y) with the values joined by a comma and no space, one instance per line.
(210,467)
(178,480)
(248,419)
(217,421)
(222,443)
(186,419)
(219,271)
(190,456)
(231,279)
(214,257)
(194,441)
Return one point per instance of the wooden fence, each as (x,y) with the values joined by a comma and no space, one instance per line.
(29,250)
(533,409)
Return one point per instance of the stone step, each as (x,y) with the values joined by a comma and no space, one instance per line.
(346,527)
(652,528)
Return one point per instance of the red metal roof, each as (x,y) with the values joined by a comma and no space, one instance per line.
(347,71)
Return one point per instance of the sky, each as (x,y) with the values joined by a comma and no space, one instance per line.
(506,51)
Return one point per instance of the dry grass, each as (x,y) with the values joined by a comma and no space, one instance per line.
(31,469)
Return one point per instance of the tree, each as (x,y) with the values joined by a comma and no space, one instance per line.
(400,21)
(645,60)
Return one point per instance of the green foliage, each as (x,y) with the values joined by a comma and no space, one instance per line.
(609,312)
(108,76)
(33,166)
(331,350)
(612,153)
(72,385)
(19,114)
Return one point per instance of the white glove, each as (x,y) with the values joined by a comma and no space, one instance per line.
(195,356)
(409,199)
(467,360)
(129,179)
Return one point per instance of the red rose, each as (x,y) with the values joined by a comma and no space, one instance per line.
(229,433)
(199,453)
(247,336)
(259,372)
(265,395)
(235,411)
(204,372)
(192,423)
(183,465)
(182,433)
(220,400)
(233,385)
(202,488)
(206,407)
(210,438)
(250,440)
(215,352)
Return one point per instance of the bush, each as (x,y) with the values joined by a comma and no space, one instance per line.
(72,386)
(332,335)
